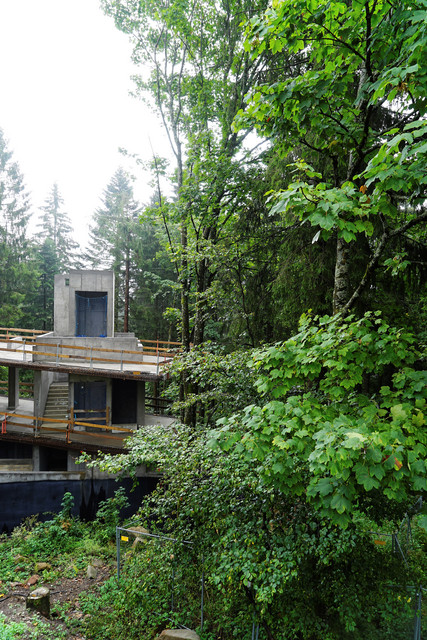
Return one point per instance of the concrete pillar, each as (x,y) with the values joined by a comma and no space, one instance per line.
(109,400)
(36,458)
(140,403)
(13,388)
(71,462)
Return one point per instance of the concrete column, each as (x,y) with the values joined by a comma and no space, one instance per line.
(140,403)
(13,388)
(109,400)
(71,462)
(36,458)
(37,393)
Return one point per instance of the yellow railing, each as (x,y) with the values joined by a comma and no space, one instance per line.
(7,333)
(39,428)
(150,348)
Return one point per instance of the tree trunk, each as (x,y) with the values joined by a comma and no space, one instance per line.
(39,600)
(342,274)
(185,290)
(127,286)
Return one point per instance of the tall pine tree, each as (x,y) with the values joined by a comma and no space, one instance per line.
(56,226)
(114,238)
(56,252)
(17,273)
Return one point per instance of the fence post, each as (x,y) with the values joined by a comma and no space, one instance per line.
(173,586)
(417,627)
(118,552)
(24,354)
(203,594)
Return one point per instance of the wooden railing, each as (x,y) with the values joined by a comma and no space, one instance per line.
(157,404)
(28,387)
(150,348)
(7,333)
(43,426)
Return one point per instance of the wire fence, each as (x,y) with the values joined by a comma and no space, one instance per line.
(176,609)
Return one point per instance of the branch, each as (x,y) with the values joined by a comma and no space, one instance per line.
(372,264)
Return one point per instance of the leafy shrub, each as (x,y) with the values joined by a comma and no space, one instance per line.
(108,515)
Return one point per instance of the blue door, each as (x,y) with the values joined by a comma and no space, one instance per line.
(90,399)
(91,314)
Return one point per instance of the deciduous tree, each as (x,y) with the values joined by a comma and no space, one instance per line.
(350,115)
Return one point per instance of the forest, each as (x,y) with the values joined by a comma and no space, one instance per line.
(285,246)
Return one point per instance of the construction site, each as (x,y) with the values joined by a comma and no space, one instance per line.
(88,393)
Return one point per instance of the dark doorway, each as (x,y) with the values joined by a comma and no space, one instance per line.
(91,313)
(124,401)
(90,400)
(53,459)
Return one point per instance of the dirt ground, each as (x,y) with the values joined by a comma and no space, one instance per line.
(65,591)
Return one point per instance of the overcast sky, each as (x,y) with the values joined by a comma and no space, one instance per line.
(64,102)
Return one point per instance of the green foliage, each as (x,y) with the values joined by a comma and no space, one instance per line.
(17,273)
(219,382)
(344,420)
(108,515)
(59,535)
(349,117)
(11,630)
(267,554)
(132,247)
(55,226)
(151,575)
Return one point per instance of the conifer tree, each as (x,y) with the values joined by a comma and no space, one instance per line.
(17,273)
(55,225)
(114,238)
(56,252)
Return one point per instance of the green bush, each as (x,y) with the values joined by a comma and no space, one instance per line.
(108,515)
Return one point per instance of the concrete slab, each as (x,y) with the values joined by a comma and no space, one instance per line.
(147,366)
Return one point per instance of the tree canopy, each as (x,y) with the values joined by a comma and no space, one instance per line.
(295,241)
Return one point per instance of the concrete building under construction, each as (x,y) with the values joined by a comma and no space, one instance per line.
(89,394)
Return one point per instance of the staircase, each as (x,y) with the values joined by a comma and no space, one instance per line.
(57,403)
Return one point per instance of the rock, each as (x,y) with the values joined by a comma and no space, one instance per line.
(138,530)
(32,580)
(138,539)
(91,572)
(19,558)
(181,634)
(96,562)
(42,566)
(39,600)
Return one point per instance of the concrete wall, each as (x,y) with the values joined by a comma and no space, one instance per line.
(42,382)
(66,287)
(124,342)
